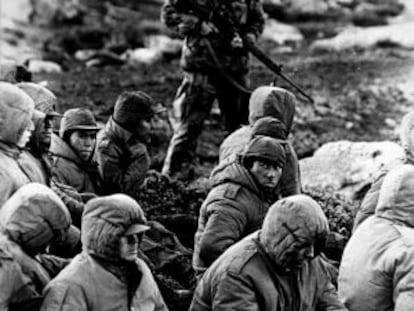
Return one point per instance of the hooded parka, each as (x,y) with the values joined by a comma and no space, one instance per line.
(97,279)
(250,276)
(377,268)
(267,101)
(370,201)
(16,109)
(72,178)
(29,221)
(39,161)
(234,208)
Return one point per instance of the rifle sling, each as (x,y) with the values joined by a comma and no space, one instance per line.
(221,69)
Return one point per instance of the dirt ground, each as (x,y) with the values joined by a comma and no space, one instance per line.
(359,95)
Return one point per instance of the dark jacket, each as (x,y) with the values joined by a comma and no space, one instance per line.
(267,102)
(195,54)
(250,274)
(73,180)
(234,208)
(123,160)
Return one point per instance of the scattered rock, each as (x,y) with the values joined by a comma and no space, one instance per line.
(84,55)
(364,38)
(282,34)
(373,14)
(346,166)
(294,10)
(165,45)
(37,66)
(142,56)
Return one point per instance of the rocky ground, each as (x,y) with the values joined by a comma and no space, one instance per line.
(360,93)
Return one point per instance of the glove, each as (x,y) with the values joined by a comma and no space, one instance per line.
(237,42)
(207,28)
(189,23)
(251,37)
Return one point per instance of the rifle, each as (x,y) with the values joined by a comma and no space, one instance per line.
(222,17)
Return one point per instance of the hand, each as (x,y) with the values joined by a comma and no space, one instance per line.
(237,42)
(207,28)
(136,149)
(188,24)
(250,37)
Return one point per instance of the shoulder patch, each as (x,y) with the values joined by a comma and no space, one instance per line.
(231,191)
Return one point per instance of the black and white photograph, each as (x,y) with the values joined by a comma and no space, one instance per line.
(206,155)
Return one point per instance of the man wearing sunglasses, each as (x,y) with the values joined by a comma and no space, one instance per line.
(107,275)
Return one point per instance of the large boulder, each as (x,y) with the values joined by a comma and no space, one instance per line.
(348,167)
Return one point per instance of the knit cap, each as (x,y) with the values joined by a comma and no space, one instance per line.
(133,106)
(266,148)
(269,126)
(77,119)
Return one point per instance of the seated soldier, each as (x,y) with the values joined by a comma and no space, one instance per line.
(278,103)
(16,126)
(74,172)
(377,268)
(107,275)
(43,119)
(370,200)
(30,220)
(36,154)
(275,268)
(121,148)
(237,204)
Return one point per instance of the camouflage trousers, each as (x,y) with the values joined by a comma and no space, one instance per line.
(192,105)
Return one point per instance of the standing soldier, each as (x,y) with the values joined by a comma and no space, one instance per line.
(215,65)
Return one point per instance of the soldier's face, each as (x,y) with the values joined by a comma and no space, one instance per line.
(45,133)
(128,247)
(83,142)
(266,175)
(25,135)
(143,130)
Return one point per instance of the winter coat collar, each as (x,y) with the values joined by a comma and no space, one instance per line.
(10,150)
(118,132)
(236,173)
(59,148)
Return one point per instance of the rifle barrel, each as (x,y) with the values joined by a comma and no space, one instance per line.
(277,69)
